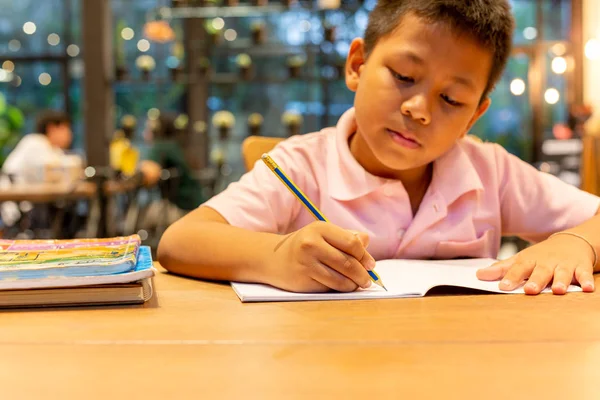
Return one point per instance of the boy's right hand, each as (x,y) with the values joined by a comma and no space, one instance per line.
(321,257)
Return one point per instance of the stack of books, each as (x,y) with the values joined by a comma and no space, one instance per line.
(51,273)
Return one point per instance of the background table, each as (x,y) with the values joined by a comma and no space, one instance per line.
(48,192)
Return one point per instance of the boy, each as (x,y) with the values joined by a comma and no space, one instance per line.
(396,174)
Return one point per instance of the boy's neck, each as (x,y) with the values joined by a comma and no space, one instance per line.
(415,181)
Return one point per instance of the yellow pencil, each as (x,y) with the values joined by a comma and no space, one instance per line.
(307,203)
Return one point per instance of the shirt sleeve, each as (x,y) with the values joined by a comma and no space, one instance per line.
(259,201)
(535,204)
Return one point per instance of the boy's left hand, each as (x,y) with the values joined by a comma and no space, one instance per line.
(562,260)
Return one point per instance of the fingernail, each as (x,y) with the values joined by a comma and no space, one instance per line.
(532,286)
(560,286)
(371,265)
(506,283)
(589,285)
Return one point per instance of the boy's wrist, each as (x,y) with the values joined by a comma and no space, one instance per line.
(268,260)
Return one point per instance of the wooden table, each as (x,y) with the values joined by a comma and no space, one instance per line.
(98,218)
(196,340)
(48,192)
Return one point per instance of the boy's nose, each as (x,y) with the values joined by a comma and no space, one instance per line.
(417,108)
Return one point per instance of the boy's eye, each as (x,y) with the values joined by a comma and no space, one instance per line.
(408,79)
(402,77)
(451,101)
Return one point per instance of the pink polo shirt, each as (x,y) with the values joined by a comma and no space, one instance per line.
(478,193)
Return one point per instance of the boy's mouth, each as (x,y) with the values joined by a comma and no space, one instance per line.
(404,139)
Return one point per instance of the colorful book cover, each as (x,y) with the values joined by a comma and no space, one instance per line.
(28,259)
(143,269)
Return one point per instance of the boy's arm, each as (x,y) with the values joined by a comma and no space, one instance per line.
(589,231)
(534,204)
(317,258)
(202,244)
(232,236)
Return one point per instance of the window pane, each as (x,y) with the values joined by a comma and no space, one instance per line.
(341,99)
(41,88)
(34,38)
(138,92)
(26,29)
(557,19)
(139,97)
(555,96)
(76,102)
(525,16)
(509,119)
(319,94)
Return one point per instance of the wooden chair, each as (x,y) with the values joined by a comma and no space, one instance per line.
(253,147)
(474,138)
(590,156)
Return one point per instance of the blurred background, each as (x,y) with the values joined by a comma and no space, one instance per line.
(158,96)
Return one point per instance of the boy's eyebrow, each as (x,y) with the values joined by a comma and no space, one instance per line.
(414,57)
(464,81)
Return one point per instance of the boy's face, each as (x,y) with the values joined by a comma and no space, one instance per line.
(60,135)
(416,94)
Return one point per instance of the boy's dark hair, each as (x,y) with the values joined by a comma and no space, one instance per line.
(489,22)
(50,117)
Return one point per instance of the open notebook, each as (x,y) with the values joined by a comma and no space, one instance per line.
(403,278)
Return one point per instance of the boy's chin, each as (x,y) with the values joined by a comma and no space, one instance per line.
(402,162)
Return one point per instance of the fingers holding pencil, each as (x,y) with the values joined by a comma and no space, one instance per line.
(350,242)
(324,253)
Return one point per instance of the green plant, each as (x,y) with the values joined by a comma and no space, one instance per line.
(11,123)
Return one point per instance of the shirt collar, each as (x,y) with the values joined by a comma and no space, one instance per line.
(347,179)
(453,173)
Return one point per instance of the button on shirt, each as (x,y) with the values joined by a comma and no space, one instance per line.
(478,193)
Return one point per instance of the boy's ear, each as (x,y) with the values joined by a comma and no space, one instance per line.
(355,63)
(483,107)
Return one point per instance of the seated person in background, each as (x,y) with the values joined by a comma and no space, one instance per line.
(40,157)
(167,152)
(124,156)
(38,151)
